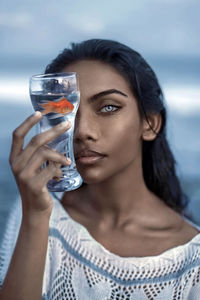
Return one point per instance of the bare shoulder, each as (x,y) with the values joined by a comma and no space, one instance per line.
(167,226)
(182,230)
(188,230)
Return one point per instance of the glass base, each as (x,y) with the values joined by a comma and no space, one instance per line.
(65,184)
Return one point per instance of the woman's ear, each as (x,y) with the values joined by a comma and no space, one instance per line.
(155,121)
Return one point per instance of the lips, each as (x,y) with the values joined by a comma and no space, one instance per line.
(88,156)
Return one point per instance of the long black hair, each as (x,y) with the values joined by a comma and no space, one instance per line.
(157,159)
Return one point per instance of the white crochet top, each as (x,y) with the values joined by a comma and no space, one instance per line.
(78,267)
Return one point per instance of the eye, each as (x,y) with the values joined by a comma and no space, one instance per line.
(109,108)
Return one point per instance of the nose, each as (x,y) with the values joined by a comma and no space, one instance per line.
(85,128)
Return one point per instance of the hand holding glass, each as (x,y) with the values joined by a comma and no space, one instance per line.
(57,97)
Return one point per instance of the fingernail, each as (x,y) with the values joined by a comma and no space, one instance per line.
(64,124)
(37,113)
(69,161)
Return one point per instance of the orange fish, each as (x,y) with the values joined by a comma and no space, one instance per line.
(62,106)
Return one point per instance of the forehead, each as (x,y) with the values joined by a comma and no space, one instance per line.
(95,76)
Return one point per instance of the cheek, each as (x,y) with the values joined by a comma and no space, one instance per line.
(125,141)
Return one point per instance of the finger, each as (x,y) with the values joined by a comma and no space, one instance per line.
(53,170)
(20,132)
(59,173)
(42,155)
(42,139)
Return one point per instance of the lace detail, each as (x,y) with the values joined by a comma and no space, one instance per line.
(84,269)
(9,238)
(79,268)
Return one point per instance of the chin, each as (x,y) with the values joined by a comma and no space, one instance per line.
(91,179)
(91,176)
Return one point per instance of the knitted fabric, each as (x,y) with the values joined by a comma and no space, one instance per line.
(78,267)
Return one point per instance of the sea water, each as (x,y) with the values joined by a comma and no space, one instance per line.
(70,179)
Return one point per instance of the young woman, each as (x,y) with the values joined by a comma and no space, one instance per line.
(123,233)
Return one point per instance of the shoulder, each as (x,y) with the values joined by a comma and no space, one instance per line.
(180,229)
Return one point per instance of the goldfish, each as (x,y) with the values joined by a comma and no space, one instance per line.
(62,106)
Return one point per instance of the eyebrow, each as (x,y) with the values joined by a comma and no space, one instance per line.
(107,92)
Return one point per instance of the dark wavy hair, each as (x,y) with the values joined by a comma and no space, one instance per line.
(157,159)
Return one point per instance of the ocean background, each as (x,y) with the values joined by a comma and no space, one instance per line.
(179,79)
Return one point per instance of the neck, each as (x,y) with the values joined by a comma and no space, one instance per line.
(120,197)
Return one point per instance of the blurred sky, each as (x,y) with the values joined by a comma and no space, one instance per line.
(165,32)
(153,26)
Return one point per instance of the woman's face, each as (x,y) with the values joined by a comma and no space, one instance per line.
(107,122)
